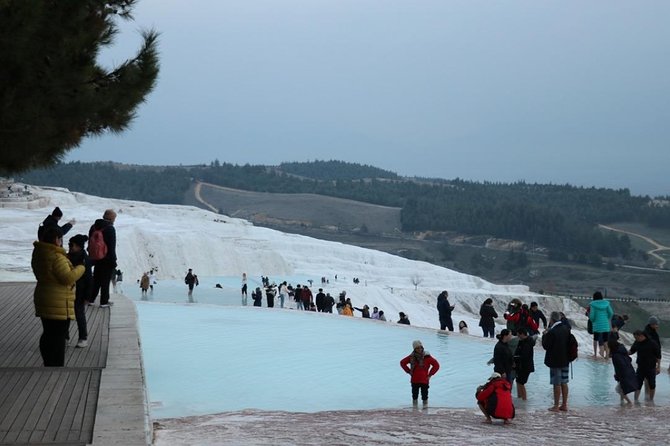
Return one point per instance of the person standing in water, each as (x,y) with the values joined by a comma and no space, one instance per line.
(421,366)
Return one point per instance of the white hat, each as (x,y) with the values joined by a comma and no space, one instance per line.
(416,344)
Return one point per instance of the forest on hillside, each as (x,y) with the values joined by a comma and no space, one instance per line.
(562,218)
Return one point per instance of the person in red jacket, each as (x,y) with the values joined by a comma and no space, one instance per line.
(420,365)
(495,399)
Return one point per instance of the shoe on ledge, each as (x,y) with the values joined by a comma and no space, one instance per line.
(82,343)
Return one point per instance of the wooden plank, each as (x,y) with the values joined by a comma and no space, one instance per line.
(50,380)
(47,405)
(60,409)
(80,379)
(14,400)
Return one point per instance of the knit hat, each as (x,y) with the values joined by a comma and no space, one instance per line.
(57,212)
(653,320)
(416,344)
(79,240)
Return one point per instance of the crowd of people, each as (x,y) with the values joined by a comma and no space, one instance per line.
(67,282)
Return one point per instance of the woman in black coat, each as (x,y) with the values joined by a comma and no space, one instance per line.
(488,314)
(503,358)
(624,373)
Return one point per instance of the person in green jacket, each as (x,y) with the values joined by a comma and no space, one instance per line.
(54,293)
(600,314)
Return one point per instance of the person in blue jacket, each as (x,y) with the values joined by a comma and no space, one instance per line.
(600,314)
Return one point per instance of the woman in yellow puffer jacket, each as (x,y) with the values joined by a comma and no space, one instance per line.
(54,294)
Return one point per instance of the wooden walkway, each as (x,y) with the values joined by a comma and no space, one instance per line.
(47,405)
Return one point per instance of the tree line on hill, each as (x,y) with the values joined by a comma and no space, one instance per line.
(562,218)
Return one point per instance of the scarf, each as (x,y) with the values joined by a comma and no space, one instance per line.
(416,359)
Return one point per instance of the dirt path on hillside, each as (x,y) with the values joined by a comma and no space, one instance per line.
(198,197)
(652,252)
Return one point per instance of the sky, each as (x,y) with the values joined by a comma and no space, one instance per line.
(550,92)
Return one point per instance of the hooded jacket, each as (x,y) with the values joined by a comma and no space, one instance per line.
(496,395)
(420,373)
(601,315)
(56,277)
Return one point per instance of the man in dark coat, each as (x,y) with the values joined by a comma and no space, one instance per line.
(320,300)
(555,341)
(444,309)
(52,220)
(104,268)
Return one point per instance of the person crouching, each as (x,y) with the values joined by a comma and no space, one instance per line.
(495,399)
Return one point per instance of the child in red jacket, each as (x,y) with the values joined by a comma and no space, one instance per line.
(421,366)
(495,399)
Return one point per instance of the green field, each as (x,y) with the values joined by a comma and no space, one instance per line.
(661,236)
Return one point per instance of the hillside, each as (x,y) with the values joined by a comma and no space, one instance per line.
(497,260)
(302,210)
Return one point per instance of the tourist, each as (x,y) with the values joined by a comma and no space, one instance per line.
(403,319)
(523,361)
(421,366)
(463,327)
(244,289)
(503,357)
(283,292)
(487,315)
(104,266)
(365,311)
(600,315)
(494,399)
(191,280)
(77,255)
(444,309)
(624,373)
(648,363)
(145,281)
(537,316)
(555,342)
(54,293)
(52,220)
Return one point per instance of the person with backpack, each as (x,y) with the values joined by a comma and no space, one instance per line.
(555,342)
(494,399)
(102,253)
(521,319)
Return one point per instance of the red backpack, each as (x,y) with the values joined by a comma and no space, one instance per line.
(97,248)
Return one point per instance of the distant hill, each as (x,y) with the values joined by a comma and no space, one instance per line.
(561,218)
(302,210)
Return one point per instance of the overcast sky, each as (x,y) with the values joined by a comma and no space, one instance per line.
(552,91)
